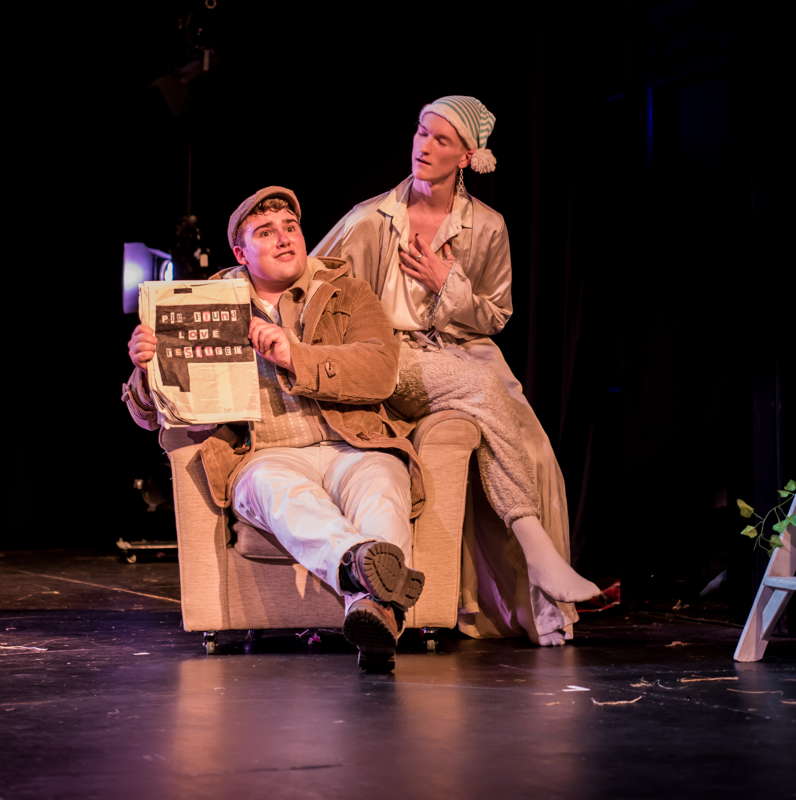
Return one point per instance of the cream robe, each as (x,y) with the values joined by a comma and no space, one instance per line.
(474,303)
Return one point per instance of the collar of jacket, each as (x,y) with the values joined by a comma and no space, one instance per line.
(323,269)
(323,272)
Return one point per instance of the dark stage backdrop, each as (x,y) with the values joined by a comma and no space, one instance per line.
(638,149)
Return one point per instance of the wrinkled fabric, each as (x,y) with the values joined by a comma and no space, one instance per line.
(476,300)
(474,303)
(321,500)
(436,380)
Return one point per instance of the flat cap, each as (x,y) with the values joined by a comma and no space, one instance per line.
(241,212)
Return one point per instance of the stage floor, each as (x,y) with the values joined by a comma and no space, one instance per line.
(104,696)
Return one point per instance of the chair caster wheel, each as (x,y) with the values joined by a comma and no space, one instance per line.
(429,637)
(250,643)
(210,642)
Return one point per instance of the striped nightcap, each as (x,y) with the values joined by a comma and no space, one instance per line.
(473,122)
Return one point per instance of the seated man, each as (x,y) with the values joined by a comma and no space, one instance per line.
(317,472)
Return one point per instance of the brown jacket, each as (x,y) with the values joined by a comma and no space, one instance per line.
(347,361)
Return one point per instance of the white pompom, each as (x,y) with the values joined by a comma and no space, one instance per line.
(483,161)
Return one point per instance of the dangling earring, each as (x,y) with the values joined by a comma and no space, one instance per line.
(460,183)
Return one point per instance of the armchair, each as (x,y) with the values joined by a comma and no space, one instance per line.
(247,581)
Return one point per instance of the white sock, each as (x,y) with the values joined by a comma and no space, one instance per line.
(546,568)
(552,639)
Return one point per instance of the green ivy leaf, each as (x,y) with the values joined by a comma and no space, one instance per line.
(783,493)
(744,507)
(775,541)
(790,486)
(749,531)
(791,520)
(780,526)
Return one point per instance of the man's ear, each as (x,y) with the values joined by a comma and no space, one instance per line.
(464,161)
(240,255)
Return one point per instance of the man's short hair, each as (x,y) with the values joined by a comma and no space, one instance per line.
(267,204)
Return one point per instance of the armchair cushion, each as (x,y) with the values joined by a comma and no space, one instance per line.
(251,542)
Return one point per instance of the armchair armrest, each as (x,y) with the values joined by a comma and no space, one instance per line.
(201,533)
(444,441)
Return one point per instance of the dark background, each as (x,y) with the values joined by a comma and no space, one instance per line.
(640,147)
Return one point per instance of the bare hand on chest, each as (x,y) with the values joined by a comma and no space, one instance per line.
(420,262)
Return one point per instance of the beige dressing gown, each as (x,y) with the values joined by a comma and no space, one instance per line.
(474,303)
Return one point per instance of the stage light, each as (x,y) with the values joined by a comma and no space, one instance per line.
(142,263)
(167,270)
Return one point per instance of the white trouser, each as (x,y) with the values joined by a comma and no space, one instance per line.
(320,500)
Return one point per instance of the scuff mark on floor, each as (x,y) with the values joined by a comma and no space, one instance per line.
(616,702)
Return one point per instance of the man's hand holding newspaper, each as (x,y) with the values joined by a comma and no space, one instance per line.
(141,346)
(193,342)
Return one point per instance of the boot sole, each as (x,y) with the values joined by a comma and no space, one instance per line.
(388,578)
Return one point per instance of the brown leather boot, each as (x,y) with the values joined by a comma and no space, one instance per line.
(373,628)
(378,568)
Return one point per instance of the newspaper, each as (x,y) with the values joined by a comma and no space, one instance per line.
(205,369)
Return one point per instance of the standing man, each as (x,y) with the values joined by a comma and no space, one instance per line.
(322,472)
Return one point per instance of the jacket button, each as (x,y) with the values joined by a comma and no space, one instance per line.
(330,370)
(365,436)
